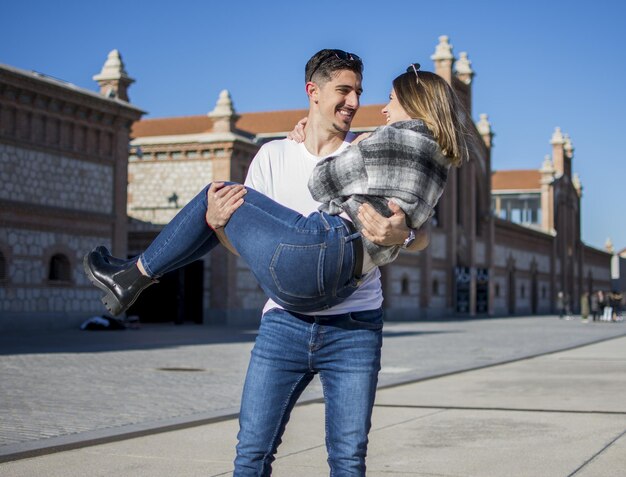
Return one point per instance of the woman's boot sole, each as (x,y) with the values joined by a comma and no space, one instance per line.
(109,300)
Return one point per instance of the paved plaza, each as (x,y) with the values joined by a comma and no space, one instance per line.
(162,400)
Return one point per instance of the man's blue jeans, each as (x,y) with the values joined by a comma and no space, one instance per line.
(289,350)
(304,264)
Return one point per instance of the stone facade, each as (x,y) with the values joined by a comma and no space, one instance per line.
(41,178)
(156,188)
(476,264)
(63,167)
(69,183)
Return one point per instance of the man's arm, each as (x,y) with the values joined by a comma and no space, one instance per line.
(393,230)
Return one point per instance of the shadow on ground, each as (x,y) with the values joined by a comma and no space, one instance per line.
(148,336)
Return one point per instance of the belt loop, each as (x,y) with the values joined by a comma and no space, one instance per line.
(357,249)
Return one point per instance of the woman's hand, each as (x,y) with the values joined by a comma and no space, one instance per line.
(360,137)
(297,134)
(222,201)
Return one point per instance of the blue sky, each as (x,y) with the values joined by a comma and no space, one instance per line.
(538,65)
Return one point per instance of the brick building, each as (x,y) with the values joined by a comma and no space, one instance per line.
(548,200)
(477,263)
(503,243)
(63,168)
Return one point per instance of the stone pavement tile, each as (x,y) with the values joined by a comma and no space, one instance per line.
(304,448)
(586,379)
(66,465)
(308,457)
(206,450)
(198,451)
(609,463)
(490,444)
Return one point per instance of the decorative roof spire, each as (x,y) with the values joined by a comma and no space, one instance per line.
(483,125)
(547,167)
(113,67)
(484,129)
(568,147)
(113,79)
(224,105)
(557,137)
(608,245)
(443,51)
(224,115)
(577,184)
(463,67)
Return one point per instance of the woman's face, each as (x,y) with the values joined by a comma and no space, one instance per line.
(393,111)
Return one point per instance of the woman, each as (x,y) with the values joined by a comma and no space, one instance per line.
(312,263)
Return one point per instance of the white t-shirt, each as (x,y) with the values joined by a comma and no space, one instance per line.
(281,170)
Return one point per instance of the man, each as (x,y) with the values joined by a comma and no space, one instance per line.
(341,344)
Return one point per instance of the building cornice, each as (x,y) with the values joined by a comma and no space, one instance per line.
(32,80)
(201,138)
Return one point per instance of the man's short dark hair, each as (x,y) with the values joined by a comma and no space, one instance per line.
(325,63)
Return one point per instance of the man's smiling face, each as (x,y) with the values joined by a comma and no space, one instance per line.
(338,100)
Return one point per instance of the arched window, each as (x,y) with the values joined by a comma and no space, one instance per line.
(435,287)
(523,291)
(405,286)
(60,269)
(3,267)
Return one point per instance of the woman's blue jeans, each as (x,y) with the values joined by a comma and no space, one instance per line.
(304,264)
(290,349)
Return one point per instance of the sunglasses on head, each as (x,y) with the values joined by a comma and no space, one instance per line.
(414,67)
(339,54)
(346,56)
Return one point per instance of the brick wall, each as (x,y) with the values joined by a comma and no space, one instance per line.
(51,179)
(63,164)
(151,183)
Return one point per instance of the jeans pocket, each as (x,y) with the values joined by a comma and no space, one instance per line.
(348,289)
(367,320)
(298,270)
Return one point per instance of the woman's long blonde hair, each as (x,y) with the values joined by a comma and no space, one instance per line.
(432,100)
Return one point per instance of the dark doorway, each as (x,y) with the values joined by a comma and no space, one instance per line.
(511,293)
(177,297)
(534,294)
(482,291)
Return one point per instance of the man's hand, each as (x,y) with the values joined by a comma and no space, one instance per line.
(222,202)
(297,134)
(390,231)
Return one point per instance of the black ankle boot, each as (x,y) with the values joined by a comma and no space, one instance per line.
(102,250)
(122,284)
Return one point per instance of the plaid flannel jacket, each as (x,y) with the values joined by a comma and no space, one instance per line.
(401,161)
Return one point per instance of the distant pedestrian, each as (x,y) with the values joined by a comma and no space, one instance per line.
(593,303)
(615,299)
(584,306)
(560,304)
(567,300)
(607,310)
